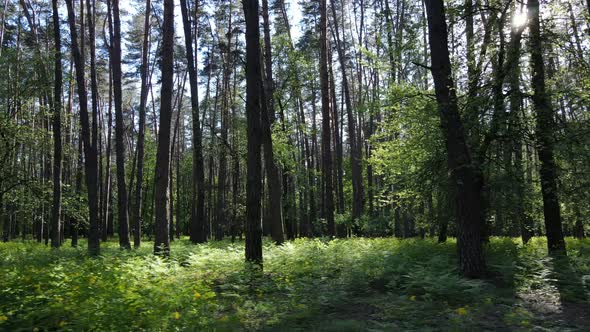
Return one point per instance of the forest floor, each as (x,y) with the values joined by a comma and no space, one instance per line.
(341,285)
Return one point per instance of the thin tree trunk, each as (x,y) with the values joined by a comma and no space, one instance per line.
(137,208)
(122,199)
(268,117)
(57,153)
(355,149)
(198,232)
(326,135)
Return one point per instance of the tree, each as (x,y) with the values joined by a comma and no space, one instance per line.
(162,238)
(355,148)
(56,223)
(544,135)
(326,135)
(143,94)
(197,226)
(465,177)
(268,116)
(90,154)
(122,199)
(253,116)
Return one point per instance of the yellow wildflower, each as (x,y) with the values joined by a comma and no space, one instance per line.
(197,295)
(461,311)
(176,315)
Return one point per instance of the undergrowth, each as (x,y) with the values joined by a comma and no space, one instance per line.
(338,285)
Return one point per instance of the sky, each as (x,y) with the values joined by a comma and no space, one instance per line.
(294,13)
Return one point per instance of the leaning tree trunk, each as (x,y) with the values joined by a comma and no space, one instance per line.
(544,135)
(57,153)
(253,132)
(464,175)
(162,239)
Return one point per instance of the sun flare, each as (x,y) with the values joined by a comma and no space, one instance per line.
(519,19)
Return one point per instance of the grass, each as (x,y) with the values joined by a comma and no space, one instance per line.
(341,285)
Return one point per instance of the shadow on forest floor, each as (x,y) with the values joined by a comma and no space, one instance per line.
(527,290)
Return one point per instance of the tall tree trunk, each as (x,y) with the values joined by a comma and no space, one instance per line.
(93,86)
(544,135)
(90,155)
(56,224)
(268,117)
(355,149)
(137,208)
(108,195)
(122,205)
(221,204)
(338,173)
(198,232)
(78,188)
(464,175)
(253,117)
(326,135)
(162,239)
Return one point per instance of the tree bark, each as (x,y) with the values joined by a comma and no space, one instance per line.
(326,135)
(162,238)
(122,199)
(198,232)
(137,208)
(355,149)
(253,118)
(268,117)
(544,135)
(90,155)
(464,175)
(56,224)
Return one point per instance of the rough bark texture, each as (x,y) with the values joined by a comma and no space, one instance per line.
(464,175)
(56,224)
(544,135)
(162,238)
(254,171)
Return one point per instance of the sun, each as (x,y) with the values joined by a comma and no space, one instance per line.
(519,19)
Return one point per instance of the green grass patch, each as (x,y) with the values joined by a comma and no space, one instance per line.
(340,285)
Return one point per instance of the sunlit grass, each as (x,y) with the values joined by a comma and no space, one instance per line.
(336,285)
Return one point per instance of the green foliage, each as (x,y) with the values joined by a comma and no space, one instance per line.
(354,284)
